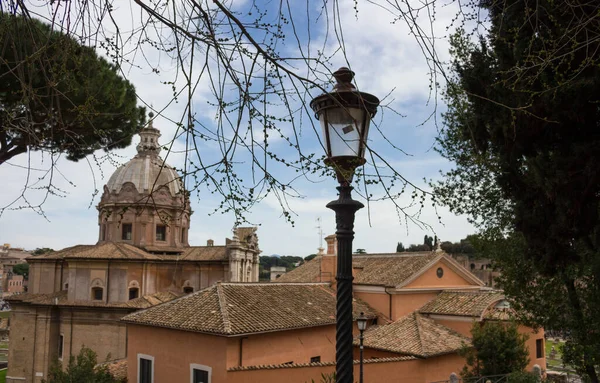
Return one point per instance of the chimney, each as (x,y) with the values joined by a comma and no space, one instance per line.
(210,243)
(331,244)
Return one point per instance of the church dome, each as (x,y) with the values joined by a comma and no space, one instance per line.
(146,171)
(144,202)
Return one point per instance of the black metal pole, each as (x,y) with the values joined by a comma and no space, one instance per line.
(345,208)
(361,356)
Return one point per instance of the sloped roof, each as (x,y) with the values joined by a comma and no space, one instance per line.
(390,269)
(307,272)
(204,253)
(462,303)
(106,250)
(244,308)
(60,298)
(414,335)
(117,368)
(125,251)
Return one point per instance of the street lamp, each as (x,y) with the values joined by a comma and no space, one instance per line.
(345,115)
(361,322)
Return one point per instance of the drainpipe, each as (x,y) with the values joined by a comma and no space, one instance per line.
(107,281)
(390,303)
(241,354)
(62,264)
(34,341)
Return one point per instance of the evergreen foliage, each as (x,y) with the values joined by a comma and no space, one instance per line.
(522,128)
(75,102)
(82,368)
(497,348)
(21,269)
(400,248)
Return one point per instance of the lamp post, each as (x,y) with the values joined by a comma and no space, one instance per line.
(345,115)
(361,322)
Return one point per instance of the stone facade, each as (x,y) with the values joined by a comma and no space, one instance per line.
(78,295)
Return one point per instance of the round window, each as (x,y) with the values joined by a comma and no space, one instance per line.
(440,272)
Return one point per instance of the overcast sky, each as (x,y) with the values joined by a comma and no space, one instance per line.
(385,58)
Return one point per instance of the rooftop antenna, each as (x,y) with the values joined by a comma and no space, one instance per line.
(320,228)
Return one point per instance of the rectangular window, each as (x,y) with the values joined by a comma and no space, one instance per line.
(61,342)
(146,370)
(127,229)
(97,293)
(315,359)
(539,348)
(161,233)
(200,376)
(133,293)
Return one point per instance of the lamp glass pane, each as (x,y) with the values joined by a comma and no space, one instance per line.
(344,127)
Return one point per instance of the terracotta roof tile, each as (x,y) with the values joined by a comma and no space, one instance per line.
(319,364)
(124,251)
(307,272)
(205,253)
(107,250)
(244,308)
(472,303)
(60,298)
(390,269)
(117,368)
(414,335)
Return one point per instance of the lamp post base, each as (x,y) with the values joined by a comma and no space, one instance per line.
(345,208)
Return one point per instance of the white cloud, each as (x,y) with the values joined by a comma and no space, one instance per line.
(383,55)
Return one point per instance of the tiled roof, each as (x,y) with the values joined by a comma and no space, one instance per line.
(307,272)
(117,368)
(244,308)
(319,364)
(107,250)
(204,253)
(414,335)
(472,303)
(125,251)
(60,298)
(389,269)
(499,314)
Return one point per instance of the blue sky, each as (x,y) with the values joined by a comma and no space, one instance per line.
(386,60)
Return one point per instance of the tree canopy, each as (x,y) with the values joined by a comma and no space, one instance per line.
(497,348)
(522,129)
(21,269)
(59,96)
(82,368)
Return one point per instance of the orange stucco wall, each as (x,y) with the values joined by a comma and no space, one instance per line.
(174,351)
(533,336)
(430,278)
(379,301)
(405,303)
(440,367)
(411,371)
(462,325)
(296,346)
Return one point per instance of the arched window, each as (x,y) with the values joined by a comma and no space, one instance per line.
(188,290)
(134,292)
(472,266)
(97,293)
(66,286)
